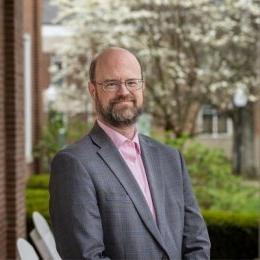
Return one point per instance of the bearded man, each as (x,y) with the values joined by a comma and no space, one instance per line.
(117,194)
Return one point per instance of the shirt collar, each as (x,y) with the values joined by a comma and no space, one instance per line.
(119,139)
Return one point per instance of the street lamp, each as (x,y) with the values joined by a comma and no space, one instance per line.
(240,101)
(240,98)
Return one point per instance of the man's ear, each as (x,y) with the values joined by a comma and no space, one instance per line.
(92,90)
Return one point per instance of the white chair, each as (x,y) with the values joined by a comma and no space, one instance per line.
(26,250)
(43,238)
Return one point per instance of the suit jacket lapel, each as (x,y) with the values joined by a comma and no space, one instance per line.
(150,156)
(154,170)
(116,163)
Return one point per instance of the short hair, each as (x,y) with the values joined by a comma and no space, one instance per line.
(92,70)
(93,64)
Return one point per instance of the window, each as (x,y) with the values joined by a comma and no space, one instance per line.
(214,122)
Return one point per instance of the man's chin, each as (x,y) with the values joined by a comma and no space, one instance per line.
(125,112)
(121,115)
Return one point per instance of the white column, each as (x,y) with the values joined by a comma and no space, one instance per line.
(28,96)
(215,124)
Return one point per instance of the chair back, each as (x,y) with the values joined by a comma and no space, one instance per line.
(43,238)
(26,250)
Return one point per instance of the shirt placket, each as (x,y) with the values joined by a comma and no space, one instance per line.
(130,154)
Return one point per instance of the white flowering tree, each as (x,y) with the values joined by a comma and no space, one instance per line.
(193,51)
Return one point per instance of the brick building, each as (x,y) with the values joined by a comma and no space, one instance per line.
(20,112)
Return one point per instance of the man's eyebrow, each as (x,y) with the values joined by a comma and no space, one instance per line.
(107,80)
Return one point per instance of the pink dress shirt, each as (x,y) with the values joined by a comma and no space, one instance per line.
(131,153)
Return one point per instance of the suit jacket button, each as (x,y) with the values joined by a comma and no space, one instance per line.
(164,257)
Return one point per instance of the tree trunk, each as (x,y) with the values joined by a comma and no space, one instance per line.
(191,118)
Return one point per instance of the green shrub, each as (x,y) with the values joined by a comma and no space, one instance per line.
(37,200)
(177,143)
(76,129)
(232,235)
(52,140)
(226,218)
(215,186)
(59,132)
(39,181)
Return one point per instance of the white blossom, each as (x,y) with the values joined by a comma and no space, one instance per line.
(192,50)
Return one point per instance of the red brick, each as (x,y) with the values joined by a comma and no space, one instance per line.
(3,225)
(11,67)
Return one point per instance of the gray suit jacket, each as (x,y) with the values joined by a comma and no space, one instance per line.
(99,212)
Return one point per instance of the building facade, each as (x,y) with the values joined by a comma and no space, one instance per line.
(20,113)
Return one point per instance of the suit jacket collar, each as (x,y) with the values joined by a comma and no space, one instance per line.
(111,156)
(117,138)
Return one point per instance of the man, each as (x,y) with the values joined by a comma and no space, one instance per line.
(117,194)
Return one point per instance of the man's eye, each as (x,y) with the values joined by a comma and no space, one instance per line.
(131,83)
(111,84)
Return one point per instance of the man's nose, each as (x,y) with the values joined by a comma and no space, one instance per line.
(123,89)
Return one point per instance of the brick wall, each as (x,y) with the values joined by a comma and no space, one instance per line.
(12,135)
(12,161)
(44,70)
(2,144)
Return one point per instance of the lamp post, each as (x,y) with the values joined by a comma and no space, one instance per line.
(240,101)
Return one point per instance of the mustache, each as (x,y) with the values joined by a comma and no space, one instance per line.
(122,98)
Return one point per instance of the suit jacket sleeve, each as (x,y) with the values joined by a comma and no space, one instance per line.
(74,211)
(196,243)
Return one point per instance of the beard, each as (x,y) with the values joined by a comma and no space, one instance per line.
(119,114)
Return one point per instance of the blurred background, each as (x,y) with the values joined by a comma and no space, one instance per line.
(201,64)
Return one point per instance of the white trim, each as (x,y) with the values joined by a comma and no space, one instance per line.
(28,96)
(215,124)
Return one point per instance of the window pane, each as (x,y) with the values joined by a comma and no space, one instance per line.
(207,124)
(222,124)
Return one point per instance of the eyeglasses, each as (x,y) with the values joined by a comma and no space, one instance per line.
(115,85)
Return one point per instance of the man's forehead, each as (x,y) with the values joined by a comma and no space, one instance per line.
(112,56)
(115,63)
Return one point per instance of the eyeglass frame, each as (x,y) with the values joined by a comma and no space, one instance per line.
(121,82)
